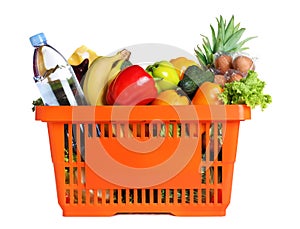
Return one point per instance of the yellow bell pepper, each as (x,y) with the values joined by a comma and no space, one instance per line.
(181,64)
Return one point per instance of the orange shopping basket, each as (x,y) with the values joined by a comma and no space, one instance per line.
(111,160)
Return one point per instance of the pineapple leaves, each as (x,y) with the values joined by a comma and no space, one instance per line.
(201,56)
(239,46)
(208,50)
(214,39)
(236,28)
(230,44)
(221,33)
(229,29)
(224,39)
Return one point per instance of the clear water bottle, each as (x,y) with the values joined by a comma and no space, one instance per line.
(54,76)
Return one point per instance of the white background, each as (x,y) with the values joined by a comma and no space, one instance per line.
(265,190)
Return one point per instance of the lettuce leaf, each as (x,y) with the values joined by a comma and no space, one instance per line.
(248,90)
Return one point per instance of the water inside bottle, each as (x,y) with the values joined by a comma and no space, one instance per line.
(62,91)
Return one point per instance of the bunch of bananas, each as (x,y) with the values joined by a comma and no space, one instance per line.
(101,71)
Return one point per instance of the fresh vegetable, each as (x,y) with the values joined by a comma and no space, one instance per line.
(171,127)
(219,194)
(118,66)
(38,102)
(220,79)
(232,70)
(172,97)
(208,94)
(225,75)
(162,85)
(217,54)
(233,75)
(181,64)
(223,63)
(243,64)
(132,86)
(248,90)
(226,40)
(97,77)
(193,77)
(165,70)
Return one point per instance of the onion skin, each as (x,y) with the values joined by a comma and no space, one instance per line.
(243,64)
(220,79)
(233,75)
(223,63)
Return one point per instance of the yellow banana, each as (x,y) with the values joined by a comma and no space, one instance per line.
(118,65)
(96,77)
(115,70)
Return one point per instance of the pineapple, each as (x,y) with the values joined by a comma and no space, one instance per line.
(227,40)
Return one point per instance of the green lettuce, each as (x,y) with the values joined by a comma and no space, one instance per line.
(248,90)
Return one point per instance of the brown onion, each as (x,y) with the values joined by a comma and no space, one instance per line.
(223,63)
(243,64)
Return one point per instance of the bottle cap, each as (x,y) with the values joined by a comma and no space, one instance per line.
(38,39)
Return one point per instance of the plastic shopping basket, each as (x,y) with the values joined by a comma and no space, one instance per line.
(177,160)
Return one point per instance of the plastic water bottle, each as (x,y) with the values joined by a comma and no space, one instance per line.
(54,76)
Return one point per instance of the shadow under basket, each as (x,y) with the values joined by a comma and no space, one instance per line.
(112,160)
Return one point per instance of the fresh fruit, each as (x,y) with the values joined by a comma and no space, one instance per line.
(118,66)
(96,77)
(82,53)
(181,64)
(132,86)
(172,97)
(165,70)
(193,77)
(208,94)
(243,64)
(226,40)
